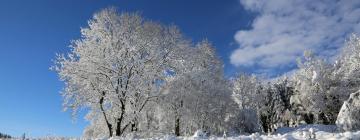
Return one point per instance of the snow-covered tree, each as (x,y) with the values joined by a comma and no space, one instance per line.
(247,93)
(321,87)
(137,76)
(269,103)
(117,67)
(5,136)
(277,110)
(197,95)
(311,84)
(347,67)
(320,90)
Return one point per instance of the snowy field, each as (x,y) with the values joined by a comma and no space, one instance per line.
(304,132)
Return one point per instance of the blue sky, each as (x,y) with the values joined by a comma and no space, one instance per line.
(255,36)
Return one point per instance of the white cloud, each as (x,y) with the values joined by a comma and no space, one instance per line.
(283,29)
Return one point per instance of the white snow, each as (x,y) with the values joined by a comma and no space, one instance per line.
(314,76)
(315,127)
(303,132)
(319,132)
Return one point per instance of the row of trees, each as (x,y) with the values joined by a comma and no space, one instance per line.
(313,94)
(137,76)
(5,136)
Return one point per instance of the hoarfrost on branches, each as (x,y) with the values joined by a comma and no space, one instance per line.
(117,68)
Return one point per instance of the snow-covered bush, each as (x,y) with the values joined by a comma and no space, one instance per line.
(349,115)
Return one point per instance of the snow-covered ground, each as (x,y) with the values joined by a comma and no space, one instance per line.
(320,132)
(303,132)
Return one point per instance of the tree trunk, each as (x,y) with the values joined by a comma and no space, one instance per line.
(118,127)
(104,114)
(177,126)
(110,130)
(177,121)
(119,120)
(309,118)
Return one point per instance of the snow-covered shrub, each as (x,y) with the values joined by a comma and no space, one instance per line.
(349,115)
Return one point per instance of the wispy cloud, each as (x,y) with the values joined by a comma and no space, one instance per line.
(283,29)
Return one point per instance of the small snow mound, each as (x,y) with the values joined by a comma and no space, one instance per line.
(349,115)
(255,136)
(200,134)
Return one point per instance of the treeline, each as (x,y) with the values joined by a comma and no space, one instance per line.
(314,94)
(5,136)
(139,77)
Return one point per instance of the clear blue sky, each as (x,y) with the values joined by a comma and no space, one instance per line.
(32,31)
